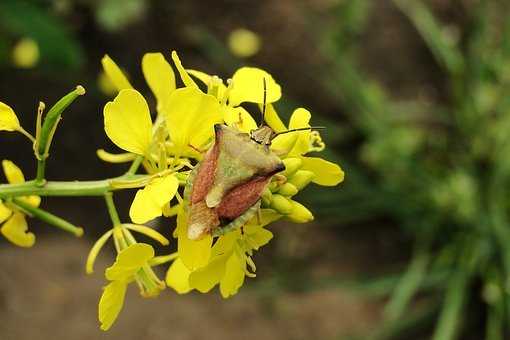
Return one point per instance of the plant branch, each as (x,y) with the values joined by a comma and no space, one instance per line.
(48,217)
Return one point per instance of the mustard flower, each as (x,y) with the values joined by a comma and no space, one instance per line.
(203,264)
(15,227)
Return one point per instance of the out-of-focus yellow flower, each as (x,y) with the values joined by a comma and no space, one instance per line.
(25,53)
(15,228)
(243,43)
(115,74)
(105,84)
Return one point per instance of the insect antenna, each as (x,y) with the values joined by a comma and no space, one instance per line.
(263,117)
(300,129)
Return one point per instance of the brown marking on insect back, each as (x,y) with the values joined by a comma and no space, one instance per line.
(205,176)
(202,220)
(239,199)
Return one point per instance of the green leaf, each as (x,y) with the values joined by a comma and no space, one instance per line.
(450,317)
(111,303)
(445,51)
(129,261)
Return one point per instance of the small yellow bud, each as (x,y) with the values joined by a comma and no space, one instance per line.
(292,165)
(288,189)
(299,213)
(281,204)
(301,178)
(243,43)
(25,53)
(267,197)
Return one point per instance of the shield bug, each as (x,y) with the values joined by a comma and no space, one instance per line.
(224,190)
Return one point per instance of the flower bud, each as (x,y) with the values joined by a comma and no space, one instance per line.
(267,197)
(299,213)
(281,204)
(292,165)
(288,189)
(301,178)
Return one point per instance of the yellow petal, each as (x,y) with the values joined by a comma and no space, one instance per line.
(4,212)
(127,122)
(258,236)
(159,76)
(326,173)
(111,303)
(12,172)
(149,201)
(248,86)
(209,82)
(177,277)
(204,279)
(234,276)
(149,232)
(114,73)
(15,230)
(273,120)
(129,261)
(225,243)
(105,85)
(186,79)
(295,143)
(300,213)
(8,119)
(190,117)
(33,200)
(194,254)
(239,118)
(115,158)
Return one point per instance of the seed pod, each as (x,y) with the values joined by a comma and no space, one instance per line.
(224,190)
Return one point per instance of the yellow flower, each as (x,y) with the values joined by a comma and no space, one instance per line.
(131,264)
(243,43)
(228,260)
(203,264)
(190,116)
(15,227)
(128,124)
(25,53)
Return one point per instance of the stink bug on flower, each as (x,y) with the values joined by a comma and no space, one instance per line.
(224,190)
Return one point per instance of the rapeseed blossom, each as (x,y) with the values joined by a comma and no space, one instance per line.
(15,227)
(170,146)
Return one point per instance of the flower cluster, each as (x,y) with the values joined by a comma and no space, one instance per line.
(171,142)
(181,133)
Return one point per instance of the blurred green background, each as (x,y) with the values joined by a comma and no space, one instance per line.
(415,94)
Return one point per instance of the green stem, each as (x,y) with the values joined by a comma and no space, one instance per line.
(49,218)
(135,165)
(41,166)
(48,130)
(110,205)
(64,188)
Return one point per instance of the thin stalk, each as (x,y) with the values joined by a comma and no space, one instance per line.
(135,165)
(64,188)
(112,210)
(48,217)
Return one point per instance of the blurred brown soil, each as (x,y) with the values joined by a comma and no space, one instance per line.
(45,294)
